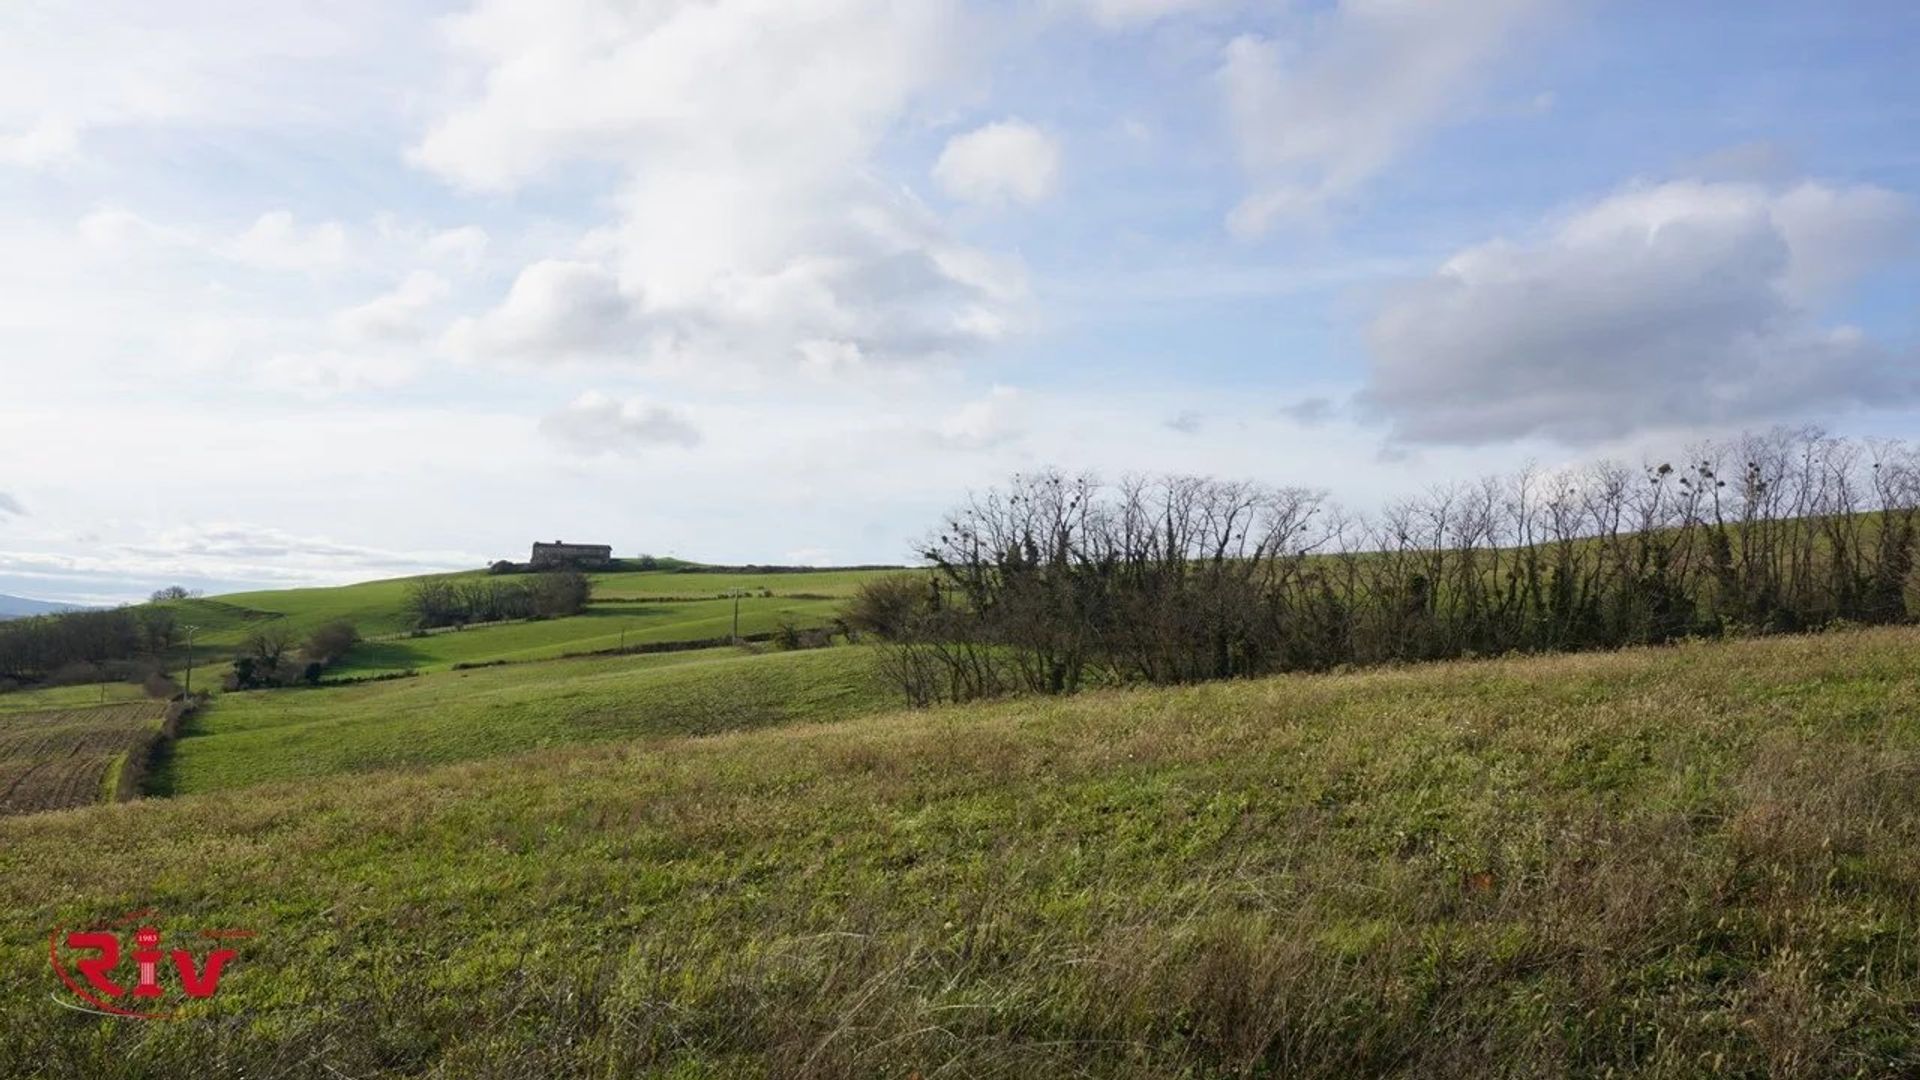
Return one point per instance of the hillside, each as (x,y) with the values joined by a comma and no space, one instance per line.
(631,607)
(1657,861)
(242,739)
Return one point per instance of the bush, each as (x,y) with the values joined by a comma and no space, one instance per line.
(561,592)
(887,607)
(330,641)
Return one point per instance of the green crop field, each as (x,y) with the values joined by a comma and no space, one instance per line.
(248,738)
(1676,862)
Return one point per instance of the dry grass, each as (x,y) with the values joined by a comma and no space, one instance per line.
(1676,862)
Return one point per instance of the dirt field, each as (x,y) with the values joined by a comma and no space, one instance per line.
(64,758)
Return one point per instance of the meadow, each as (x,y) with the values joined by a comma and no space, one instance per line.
(248,738)
(1682,861)
(629,608)
(43,699)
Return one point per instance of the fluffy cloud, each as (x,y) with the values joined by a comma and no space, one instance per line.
(465,246)
(596,423)
(49,141)
(1322,111)
(1658,307)
(995,420)
(556,309)
(276,241)
(751,225)
(397,315)
(1008,161)
(119,230)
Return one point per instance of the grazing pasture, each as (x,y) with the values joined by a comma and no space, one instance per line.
(64,758)
(42,699)
(601,628)
(1700,859)
(250,738)
(629,607)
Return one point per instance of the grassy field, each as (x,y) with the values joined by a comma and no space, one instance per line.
(71,757)
(630,607)
(249,738)
(1678,862)
(838,584)
(69,697)
(600,627)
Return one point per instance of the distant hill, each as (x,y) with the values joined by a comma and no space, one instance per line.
(14,607)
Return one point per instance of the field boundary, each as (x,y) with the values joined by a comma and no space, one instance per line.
(127,775)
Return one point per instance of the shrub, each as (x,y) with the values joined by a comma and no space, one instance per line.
(331,640)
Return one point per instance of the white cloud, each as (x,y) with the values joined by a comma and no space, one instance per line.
(465,246)
(74,74)
(752,226)
(1319,113)
(992,421)
(326,373)
(397,315)
(596,423)
(115,229)
(1007,161)
(1659,307)
(557,309)
(275,241)
(50,141)
(10,506)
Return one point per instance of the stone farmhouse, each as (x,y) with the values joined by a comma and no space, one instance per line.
(560,553)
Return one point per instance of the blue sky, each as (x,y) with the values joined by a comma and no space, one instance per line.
(304,293)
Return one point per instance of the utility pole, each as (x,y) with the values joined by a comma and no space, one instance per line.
(190,632)
(736,592)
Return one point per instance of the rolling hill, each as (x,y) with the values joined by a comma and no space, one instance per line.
(684,603)
(1655,862)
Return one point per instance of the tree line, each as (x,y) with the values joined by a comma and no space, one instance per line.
(437,602)
(1055,582)
(82,646)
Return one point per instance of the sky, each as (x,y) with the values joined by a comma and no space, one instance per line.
(306,293)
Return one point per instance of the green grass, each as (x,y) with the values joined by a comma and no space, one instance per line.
(375,607)
(652,607)
(839,584)
(250,738)
(51,698)
(599,628)
(1657,862)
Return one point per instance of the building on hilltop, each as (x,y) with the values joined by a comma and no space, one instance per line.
(560,553)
